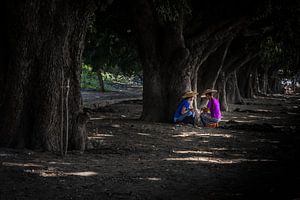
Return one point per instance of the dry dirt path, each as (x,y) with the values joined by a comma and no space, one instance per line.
(254,156)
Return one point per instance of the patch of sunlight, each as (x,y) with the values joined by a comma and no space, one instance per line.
(10,164)
(143,134)
(5,155)
(100,136)
(218,160)
(60,173)
(60,163)
(49,174)
(239,117)
(96,118)
(205,141)
(254,116)
(264,110)
(291,113)
(193,133)
(151,179)
(193,152)
(115,125)
(273,117)
(243,121)
(87,173)
(219,149)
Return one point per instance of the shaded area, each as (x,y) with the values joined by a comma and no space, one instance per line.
(131,159)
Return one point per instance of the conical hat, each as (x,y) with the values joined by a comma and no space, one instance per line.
(189,94)
(208,91)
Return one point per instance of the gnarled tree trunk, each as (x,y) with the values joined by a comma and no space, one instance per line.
(232,89)
(100,79)
(163,55)
(45,42)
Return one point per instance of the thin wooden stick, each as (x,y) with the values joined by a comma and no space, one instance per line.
(62,114)
(67,115)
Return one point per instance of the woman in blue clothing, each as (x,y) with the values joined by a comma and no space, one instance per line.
(185,113)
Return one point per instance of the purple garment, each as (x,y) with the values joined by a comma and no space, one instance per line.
(214,107)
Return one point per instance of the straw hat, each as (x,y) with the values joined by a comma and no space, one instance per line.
(208,91)
(189,94)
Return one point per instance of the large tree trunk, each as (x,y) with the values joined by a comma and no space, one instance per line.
(100,79)
(221,87)
(164,55)
(209,71)
(45,42)
(264,80)
(255,83)
(170,61)
(246,79)
(232,90)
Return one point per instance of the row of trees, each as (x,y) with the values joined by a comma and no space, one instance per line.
(237,47)
(240,48)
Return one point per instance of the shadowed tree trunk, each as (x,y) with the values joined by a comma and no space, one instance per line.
(170,58)
(221,87)
(232,89)
(171,64)
(264,79)
(209,72)
(163,55)
(255,83)
(245,79)
(45,41)
(100,79)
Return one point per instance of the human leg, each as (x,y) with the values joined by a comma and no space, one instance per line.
(189,120)
(206,119)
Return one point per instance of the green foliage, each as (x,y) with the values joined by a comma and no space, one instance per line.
(279,56)
(89,78)
(110,46)
(270,51)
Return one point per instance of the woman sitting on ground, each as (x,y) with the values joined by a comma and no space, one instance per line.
(212,113)
(185,113)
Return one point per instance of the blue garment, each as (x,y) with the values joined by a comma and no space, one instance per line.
(178,116)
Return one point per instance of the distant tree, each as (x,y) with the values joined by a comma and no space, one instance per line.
(110,46)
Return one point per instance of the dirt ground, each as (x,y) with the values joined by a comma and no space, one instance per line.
(254,154)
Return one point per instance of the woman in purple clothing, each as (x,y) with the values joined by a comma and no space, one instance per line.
(212,113)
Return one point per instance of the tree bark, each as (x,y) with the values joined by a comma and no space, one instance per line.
(246,79)
(264,80)
(232,90)
(209,72)
(100,79)
(45,40)
(163,55)
(221,87)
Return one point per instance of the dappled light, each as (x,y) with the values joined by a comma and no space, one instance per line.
(151,179)
(200,134)
(216,160)
(143,134)
(193,152)
(115,125)
(85,174)
(100,136)
(47,171)
(11,164)
(149,99)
